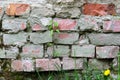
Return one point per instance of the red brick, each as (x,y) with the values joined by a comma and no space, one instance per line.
(66,24)
(22,65)
(15,9)
(99,9)
(111,26)
(16,65)
(48,64)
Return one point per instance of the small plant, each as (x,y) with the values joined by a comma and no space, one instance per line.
(53,27)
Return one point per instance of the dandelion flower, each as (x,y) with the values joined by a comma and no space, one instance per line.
(107,72)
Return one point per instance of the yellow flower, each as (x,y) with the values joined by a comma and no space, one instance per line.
(107,72)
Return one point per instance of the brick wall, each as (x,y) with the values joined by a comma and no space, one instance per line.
(89,31)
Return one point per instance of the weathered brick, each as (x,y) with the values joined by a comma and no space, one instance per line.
(16,65)
(37,38)
(99,9)
(66,24)
(28,65)
(49,51)
(16,9)
(39,23)
(48,64)
(45,11)
(61,51)
(83,51)
(88,23)
(2,53)
(12,52)
(32,51)
(22,65)
(83,40)
(14,25)
(107,51)
(71,63)
(65,1)
(66,38)
(104,39)
(15,39)
(99,64)
(111,26)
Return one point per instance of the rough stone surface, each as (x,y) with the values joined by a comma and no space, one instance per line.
(49,52)
(38,38)
(39,23)
(99,9)
(83,51)
(45,11)
(88,23)
(83,40)
(2,53)
(12,52)
(67,12)
(99,64)
(111,26)
(107,51)
(65,38)
(66,24)
(48,64)
(14,25)
(71,63)
(28,65)
(61,51)
(15,39)
(15,9)
(32,51)
(104,39)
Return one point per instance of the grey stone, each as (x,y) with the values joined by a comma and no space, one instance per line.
(49,51)
(38,38)
(61,51)
(15,39)
(88,23)
(2,53)
(12,52)
(83,51)
(14,25)
(99,64)
(32,51)
(83,40)
(66,38)
(67,12)
(104,39)
(71,63)
(45,11)
(39,23)
(107,51)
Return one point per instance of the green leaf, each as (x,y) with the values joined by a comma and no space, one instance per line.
(56,24)
(51,32)
(57,31)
